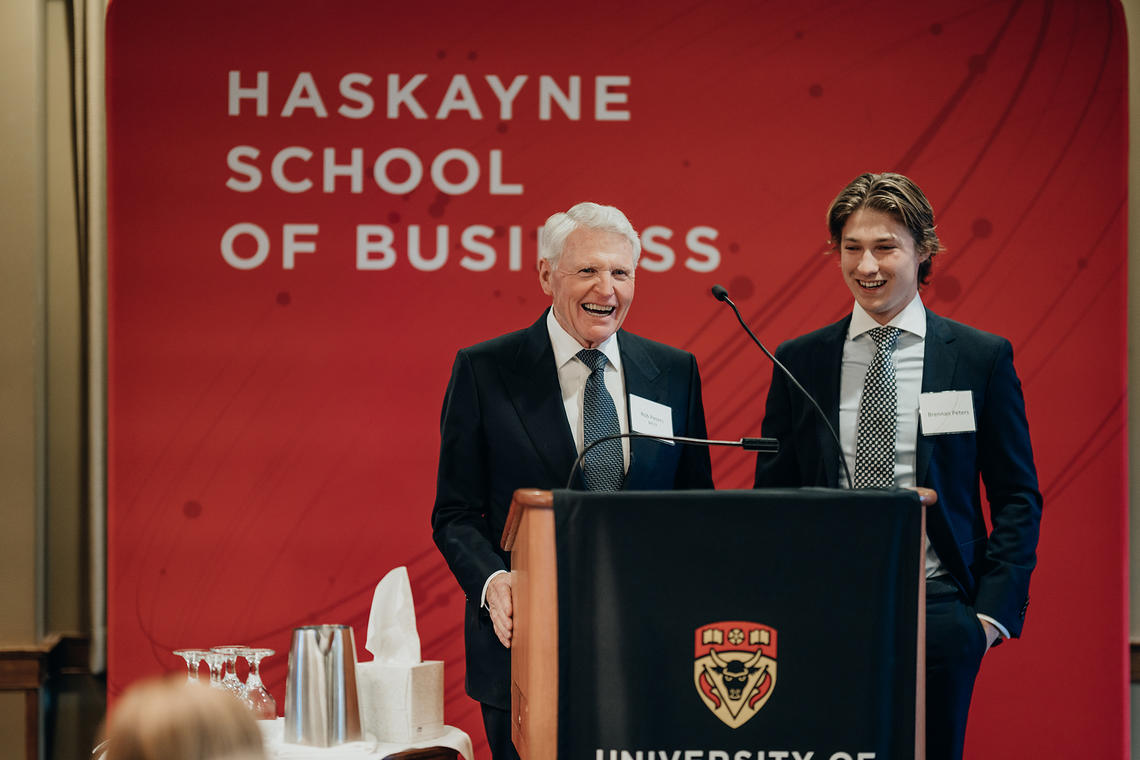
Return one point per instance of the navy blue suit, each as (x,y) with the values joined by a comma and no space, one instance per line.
(504,427)
(991,568)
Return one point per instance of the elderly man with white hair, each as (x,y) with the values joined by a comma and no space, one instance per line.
(521,407)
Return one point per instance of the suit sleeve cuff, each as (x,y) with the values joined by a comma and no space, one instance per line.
(1001,628)
(486,583)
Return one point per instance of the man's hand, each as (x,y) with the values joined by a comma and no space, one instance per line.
(501,607)
(992,633)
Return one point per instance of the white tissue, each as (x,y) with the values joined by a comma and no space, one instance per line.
(401,698)
(392,636)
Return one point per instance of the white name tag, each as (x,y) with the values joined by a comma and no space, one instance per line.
(947,412)
(649,417)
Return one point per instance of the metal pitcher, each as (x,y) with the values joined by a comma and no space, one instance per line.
(321,704)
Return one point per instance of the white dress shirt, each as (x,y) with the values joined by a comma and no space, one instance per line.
(572,375)
(858,350)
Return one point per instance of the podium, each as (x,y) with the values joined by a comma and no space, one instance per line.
(727,623)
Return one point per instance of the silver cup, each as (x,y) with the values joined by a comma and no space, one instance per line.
(321,704)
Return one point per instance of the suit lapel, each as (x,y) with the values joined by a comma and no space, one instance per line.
(823,384)
(939,360)
(642,378)
(531,380)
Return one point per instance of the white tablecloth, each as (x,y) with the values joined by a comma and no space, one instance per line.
(277,748)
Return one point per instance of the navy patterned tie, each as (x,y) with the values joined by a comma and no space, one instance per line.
(603,465)
(875,447)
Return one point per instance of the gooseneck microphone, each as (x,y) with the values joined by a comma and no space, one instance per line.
(721,294)
(763,445)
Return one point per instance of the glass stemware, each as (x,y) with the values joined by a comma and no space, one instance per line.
(193,658)
(217,663)
(256,695)
(230,680)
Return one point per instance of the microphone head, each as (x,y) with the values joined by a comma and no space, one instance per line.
(720,293)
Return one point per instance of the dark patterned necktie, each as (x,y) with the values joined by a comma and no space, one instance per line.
(603,465)
(875,446)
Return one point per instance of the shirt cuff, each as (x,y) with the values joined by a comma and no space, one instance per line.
(486,583)
(1001,628)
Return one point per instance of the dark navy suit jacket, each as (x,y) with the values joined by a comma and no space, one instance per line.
(504,427)
(992,566)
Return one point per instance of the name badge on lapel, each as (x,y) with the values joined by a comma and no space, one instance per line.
(947,412)
(649,417)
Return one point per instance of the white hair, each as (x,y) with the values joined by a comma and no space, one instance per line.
(552,237)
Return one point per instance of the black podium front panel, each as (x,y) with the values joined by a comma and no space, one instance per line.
(734,625)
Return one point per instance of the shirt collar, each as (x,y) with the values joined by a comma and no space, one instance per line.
(566,348)
(911,319)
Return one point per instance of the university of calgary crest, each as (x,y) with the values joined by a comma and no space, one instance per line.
(734,668)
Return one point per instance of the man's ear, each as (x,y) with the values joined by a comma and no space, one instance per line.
(544,275)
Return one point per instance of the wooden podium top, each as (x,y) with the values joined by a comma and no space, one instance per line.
(537,497)
(524,498)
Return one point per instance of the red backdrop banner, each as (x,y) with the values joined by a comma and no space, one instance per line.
(312,206)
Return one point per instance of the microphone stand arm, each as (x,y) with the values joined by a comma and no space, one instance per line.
(722,295)
(765,445)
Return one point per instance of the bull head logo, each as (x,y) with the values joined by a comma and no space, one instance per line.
(734,668)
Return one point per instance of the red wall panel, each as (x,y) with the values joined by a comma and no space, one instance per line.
(274,430)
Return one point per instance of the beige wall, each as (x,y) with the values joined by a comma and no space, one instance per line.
(43,547)
(44,559)
(1132,15)
(22,313)
(66,553)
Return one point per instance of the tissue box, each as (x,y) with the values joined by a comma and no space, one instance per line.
(400,703)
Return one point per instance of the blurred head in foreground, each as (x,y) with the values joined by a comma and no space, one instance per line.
(170,719)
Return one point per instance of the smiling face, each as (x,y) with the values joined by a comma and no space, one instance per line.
(591,285)
(880,262)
